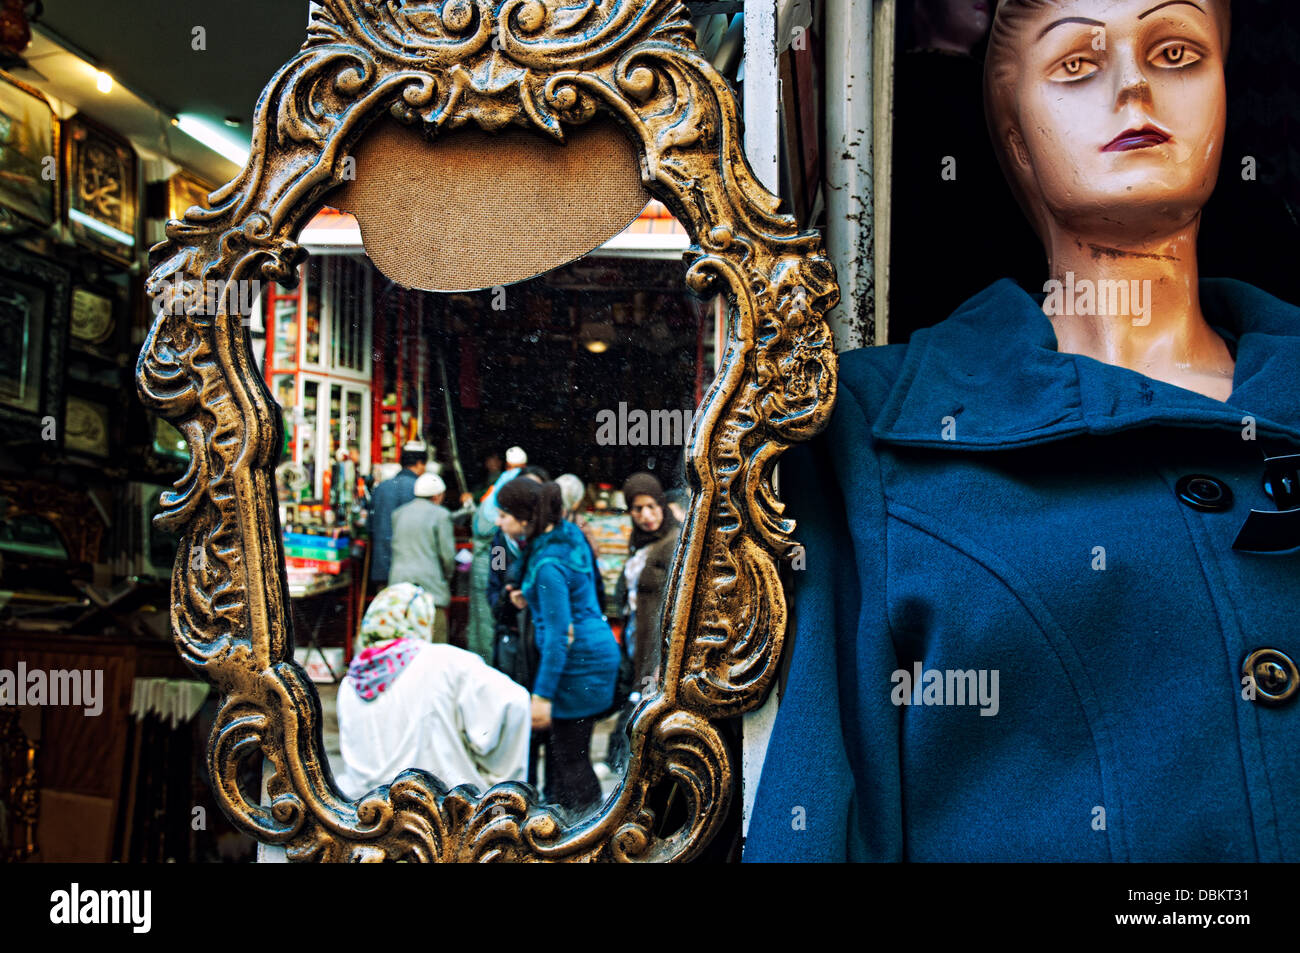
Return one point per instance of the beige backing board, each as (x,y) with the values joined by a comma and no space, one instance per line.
(474,209)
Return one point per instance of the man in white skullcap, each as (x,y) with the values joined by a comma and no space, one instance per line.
(424,547)
(480,633)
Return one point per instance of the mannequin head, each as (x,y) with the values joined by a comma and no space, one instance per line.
(1108,115)
(955,25)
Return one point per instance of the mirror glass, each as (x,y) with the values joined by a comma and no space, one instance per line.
(586,375)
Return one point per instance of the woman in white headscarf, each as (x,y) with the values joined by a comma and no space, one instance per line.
(409,703)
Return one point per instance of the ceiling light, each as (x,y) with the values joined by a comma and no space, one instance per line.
(108,231)
(215,138)
(103,82)
(596,335)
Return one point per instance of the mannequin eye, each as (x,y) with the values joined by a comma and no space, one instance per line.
(1174,56)
(1073,68)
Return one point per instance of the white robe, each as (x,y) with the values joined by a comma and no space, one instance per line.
(447,712)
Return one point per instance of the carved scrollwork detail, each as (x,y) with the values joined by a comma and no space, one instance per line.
(544,65)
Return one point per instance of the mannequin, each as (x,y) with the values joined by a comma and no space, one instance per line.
(1052,547)
(1114,153)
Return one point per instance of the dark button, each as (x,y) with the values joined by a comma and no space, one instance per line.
(1205,493)
(1282,481)
(1275,677)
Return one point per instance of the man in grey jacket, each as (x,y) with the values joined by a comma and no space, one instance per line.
(384,501)
(424,547)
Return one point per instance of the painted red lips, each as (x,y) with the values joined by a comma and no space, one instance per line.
(1131,139)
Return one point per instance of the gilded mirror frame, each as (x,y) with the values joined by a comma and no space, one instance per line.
(725,614)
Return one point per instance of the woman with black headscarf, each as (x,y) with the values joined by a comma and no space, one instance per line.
(578,668)
(639,595)
(645,576)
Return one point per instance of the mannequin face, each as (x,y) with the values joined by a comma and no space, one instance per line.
(1118,113)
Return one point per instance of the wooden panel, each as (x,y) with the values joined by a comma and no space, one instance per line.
(82,753)
(82,758)
(74,827)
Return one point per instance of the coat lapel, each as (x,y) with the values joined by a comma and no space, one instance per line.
(990,377)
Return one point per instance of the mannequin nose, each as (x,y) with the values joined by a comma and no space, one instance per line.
(1131,83)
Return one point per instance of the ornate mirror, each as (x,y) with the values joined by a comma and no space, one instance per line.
(459,133)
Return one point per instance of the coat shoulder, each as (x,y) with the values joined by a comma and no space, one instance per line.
(867,376)
(870,372)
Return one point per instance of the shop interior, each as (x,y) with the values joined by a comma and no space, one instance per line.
(594,368)
(542,364)
(360,367)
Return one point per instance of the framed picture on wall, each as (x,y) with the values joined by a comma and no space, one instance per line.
(34,301)
(99,318)
(100,188)
(93,319)
(185,191)
(27,169)
(86,427)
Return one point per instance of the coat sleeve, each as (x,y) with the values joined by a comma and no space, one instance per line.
(830,782)
(446,542)
(651,589)
(494,715)
(555,619)
(496,577)
(597,579)
(618,608)
(381,531)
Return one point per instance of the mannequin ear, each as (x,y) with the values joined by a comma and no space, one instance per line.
(1017,148)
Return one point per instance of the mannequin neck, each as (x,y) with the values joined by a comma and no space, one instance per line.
(1136,306)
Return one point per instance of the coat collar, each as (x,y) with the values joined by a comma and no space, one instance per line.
(994,368)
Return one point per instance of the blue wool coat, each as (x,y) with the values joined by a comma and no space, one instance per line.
(578,669)
(983,502)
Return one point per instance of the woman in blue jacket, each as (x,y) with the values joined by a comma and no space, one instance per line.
(578,669)
(1049,609)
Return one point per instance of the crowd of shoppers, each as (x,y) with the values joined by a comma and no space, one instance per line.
(539,616)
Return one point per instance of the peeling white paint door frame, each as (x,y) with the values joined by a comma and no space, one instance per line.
(848,149)
(762,93)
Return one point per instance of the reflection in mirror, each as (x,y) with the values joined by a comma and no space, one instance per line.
(455,619)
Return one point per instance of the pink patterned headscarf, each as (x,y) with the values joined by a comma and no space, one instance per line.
(377,667)
(395,628)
